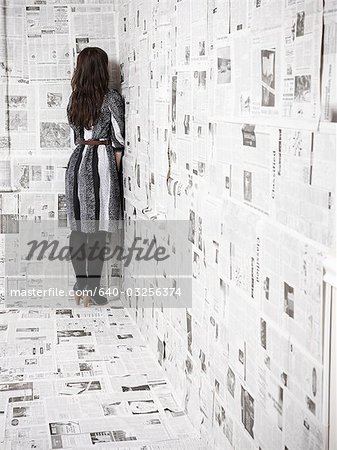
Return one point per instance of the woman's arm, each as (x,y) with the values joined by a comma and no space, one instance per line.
(117,125)
(118,156)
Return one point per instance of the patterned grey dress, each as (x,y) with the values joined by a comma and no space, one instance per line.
(92,181)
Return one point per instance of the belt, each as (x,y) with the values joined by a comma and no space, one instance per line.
(95,142)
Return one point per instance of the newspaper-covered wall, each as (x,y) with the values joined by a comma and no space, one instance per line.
(231,124)
(40,41)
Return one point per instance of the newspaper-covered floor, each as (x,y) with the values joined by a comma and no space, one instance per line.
(78,377)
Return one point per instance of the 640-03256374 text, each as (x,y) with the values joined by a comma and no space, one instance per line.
(114,291)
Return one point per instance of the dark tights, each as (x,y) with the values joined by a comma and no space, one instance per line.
(87,258)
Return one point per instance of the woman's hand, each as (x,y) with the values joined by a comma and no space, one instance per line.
(118,156)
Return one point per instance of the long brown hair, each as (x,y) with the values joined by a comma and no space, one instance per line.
(89,85)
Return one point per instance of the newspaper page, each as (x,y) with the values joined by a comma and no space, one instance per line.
(47,28)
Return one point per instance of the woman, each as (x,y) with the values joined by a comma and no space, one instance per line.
(96,115)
